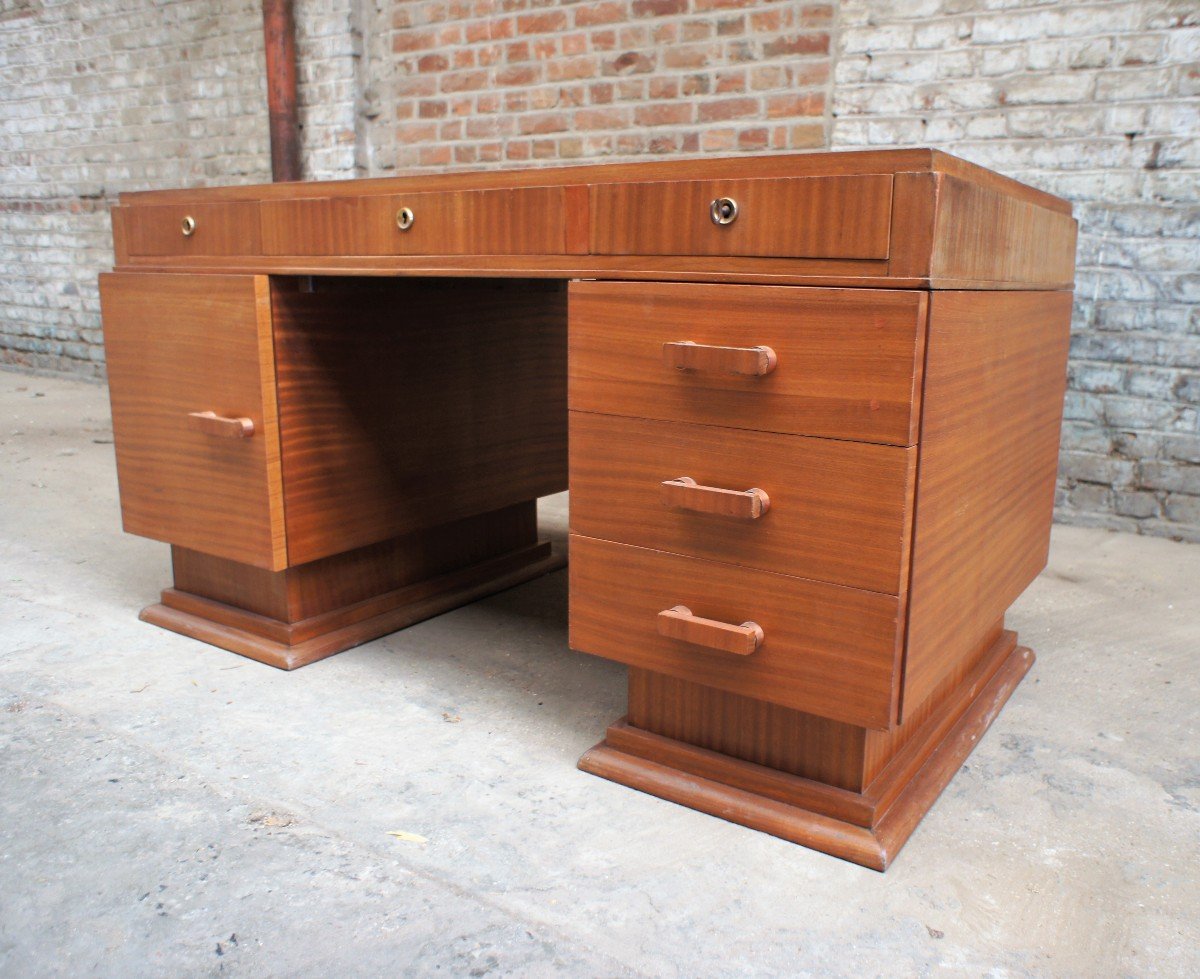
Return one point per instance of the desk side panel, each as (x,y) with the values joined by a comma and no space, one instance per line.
(995,375)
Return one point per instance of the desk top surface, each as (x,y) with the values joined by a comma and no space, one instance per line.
(914,218)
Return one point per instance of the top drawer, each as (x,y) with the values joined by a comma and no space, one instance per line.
(193,229)
(517,221)
(792,217)
(837,363)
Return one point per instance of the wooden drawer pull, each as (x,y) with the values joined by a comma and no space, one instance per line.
(685,493)
(684,355)
(210,423)
(679,623)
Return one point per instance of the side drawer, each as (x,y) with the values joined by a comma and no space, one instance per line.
(517,221)
(180,346)
(846,217)
(834,510)
(846,363)
(193,229)
(825,649)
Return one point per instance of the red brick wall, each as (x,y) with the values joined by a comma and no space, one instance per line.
(479,82)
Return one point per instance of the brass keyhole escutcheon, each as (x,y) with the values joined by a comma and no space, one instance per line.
(723,210)
(188,227)
(405,218)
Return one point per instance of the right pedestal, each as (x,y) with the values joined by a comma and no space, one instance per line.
(671,745)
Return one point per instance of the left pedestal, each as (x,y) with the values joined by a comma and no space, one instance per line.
(302,614)
(334,459)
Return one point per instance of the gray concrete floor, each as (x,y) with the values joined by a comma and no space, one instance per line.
(167,808)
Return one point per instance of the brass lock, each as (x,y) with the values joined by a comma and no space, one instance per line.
(723,210)
(188,227)
(405,218)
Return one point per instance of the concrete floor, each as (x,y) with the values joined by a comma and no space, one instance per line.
(167,808)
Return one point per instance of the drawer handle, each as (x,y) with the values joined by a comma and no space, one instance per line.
(210,423)
(679,623)
(723,210)
(188,226)
(685,493)
(684,355)
(405,218)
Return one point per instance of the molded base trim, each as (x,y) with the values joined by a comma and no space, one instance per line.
(867,828)
(264,639)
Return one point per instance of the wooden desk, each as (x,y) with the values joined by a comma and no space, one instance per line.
(813,406)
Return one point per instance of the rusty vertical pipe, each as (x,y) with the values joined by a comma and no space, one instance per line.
(279,32)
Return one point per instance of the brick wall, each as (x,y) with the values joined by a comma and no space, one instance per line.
(1098,102)
(488,82)
(96,98)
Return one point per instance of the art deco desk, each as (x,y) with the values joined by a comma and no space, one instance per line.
(808,408)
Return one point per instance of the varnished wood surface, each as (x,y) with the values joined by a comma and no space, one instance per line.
(882,746)
(994,381)
(824,219)
(747,729)
(849,361)
(306,591)
(681,624)
(179,344)
(685,355)
(686,494)
(220,229)
(218,426)
(829,650)
(984,234)
(839,163)
(799,217)
(515,221)
(840,511)
(868,827)
(250,635)
(405,404)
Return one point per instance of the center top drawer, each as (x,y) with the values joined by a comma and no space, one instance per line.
(836,363)
(508,221)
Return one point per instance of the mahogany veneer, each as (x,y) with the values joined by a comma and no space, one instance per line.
(813,404)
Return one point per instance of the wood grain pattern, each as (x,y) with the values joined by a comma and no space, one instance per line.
(513,221)
(749,361)
(680,624)
(747,729)
(685,493)
(849,362)
(221,229)
(832,219)
(767,271)
(983,235)
(250,635)
(994,381)
(801,217)
(868,827)
(177,344)
(840,511)
(831,651)
(838,163)
(440,402)
(306,591)
(210,423)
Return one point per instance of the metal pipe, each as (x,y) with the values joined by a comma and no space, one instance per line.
(279,33)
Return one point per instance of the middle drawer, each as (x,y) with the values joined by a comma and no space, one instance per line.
(834,511)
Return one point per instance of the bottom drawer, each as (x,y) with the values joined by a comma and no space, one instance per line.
(825,649)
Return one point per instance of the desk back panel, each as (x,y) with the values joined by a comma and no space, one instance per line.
(405,404)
